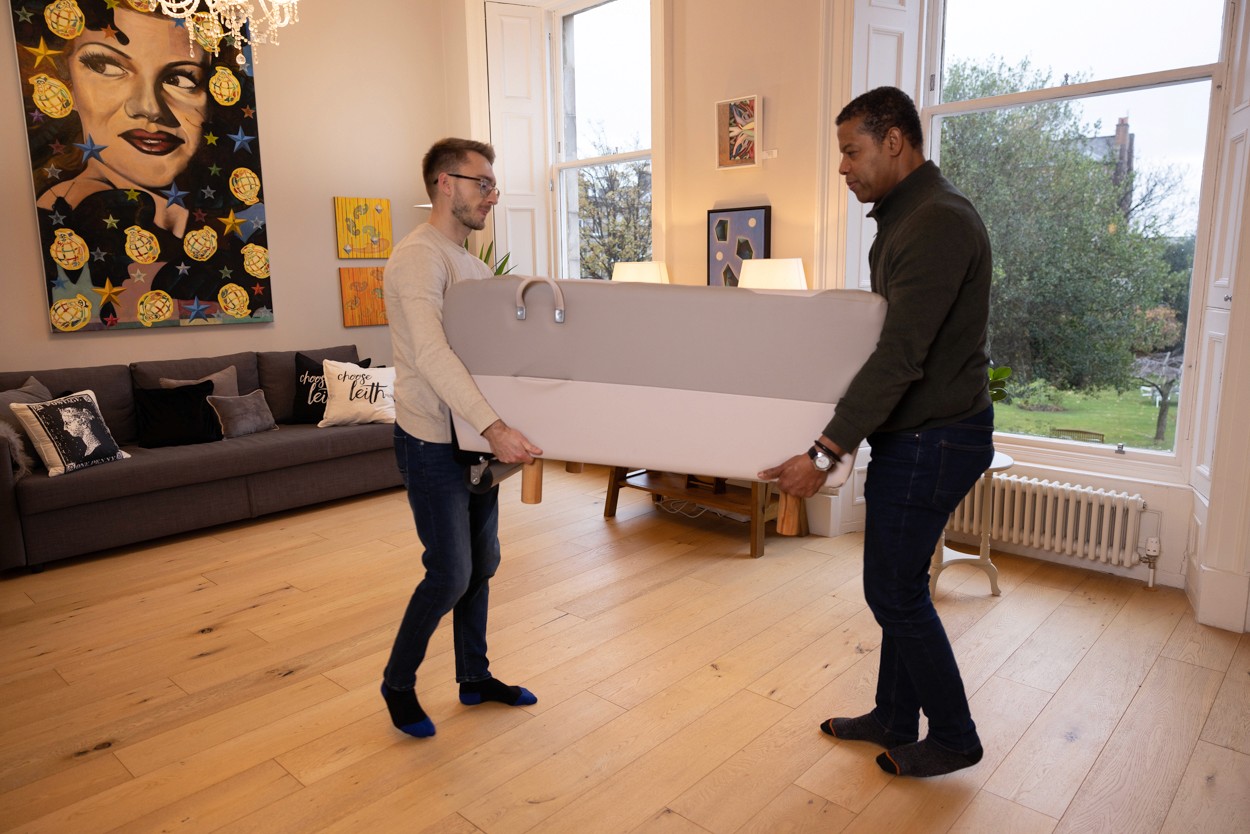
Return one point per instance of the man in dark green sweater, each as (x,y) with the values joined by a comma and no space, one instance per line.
(922,402)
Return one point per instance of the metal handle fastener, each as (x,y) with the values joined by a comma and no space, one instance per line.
(555,291)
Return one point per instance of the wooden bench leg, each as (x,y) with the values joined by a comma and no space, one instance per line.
(615,476)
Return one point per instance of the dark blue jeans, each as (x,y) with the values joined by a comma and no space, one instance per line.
(915,480)
(460,533)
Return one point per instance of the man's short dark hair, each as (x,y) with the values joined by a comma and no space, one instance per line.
(883,108)
(448,154)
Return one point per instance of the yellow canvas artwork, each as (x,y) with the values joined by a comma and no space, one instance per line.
(363,227)
(362,295)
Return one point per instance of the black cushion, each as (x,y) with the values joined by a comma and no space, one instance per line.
(176,416)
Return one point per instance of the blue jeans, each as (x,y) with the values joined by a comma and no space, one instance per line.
(915,480)
(460,533)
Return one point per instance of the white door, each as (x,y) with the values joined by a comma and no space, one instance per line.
(516,66)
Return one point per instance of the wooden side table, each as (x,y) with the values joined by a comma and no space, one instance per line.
(759,502)
(944,556)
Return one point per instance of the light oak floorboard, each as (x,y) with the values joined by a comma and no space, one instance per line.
(226,681)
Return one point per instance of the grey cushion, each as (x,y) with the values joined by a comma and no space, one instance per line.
(148,374)
(225,382)
(244,415)
(276,369)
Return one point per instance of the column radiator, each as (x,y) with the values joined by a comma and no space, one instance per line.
(1061,518)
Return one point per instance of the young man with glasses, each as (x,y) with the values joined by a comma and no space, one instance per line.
(458,529)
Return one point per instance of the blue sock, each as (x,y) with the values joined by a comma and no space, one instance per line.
(406,712)
(473,693)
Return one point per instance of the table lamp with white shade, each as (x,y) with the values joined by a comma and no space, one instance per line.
(773,274)
(640,272)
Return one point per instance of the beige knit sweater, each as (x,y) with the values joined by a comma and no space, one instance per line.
(429,378)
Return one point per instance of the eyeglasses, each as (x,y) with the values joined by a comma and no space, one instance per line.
(484,186)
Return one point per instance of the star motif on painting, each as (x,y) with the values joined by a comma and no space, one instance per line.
(57,218)
(197,310)
(53,172)
(199,215)
(109,293)
(226,273)
(110,320)
(36,117)
(110,222)
(248,112)
(174,196)
(57,147)
(24,15)
(257,289)
(112,4)
(137,274)
(208,192)
(214,169)
(98,254)
(90,150)
(132,195)
(183,269)
(41,52)
(109,32)
(241,140)
(232,223)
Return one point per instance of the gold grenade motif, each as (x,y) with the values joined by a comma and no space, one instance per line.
(154,306)
(225,88)
(207,31)
(234,301)
(256,260)
(245,185)
(68,249)
(141,245)
(200,245)
(69,314)
(65,19)
(142,5)
(51,96)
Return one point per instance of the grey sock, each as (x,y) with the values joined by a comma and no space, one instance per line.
(864,728)
(926,758)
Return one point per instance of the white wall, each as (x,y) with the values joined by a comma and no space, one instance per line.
(346,106)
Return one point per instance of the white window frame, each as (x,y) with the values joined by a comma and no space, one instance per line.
(560,240)
(1138,464)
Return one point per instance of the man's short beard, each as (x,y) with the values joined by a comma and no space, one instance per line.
(468,217)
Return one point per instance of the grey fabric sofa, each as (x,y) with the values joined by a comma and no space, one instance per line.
(174,489)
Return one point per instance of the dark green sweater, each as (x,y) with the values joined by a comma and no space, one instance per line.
(931,262)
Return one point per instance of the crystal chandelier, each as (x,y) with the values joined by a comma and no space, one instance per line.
(208,22)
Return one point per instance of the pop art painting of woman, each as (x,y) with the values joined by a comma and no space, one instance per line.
(146,166)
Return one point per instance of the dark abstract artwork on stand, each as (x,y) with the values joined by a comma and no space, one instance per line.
(733,236)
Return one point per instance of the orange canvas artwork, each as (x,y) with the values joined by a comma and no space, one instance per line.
(362,295)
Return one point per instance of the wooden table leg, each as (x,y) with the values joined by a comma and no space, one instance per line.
(615,475)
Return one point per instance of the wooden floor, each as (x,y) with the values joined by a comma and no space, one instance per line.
(227,681)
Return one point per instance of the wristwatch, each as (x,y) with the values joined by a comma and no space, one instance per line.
(821,459)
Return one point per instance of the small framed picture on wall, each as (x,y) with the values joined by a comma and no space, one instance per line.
(737,132)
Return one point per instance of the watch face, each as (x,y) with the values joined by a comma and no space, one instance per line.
(822,461)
